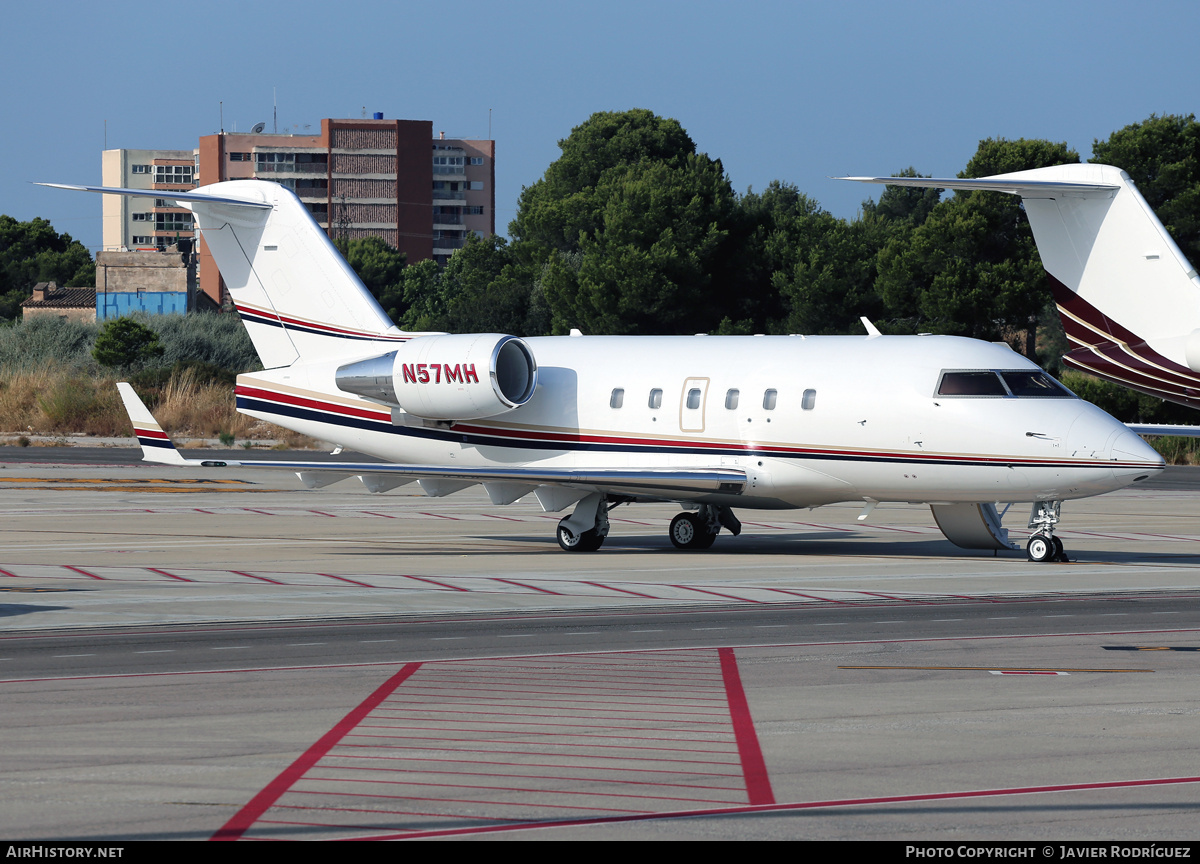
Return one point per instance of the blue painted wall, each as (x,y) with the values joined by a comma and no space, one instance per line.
(120,303)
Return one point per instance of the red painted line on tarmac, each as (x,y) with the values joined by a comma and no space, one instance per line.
(263,512)
(604,767)
(260,578)
(84,572)
(260,803)
(434,582)
(826,527)
(381,515)
(168,575)
(622,590)
(344,579)
(506,518)
(716,594)
(758,783)
(530,587)
(540,776)
(408,783)
(806,805)
(812,596)
(319,513)
(894,597)
(440,516)
(10,575)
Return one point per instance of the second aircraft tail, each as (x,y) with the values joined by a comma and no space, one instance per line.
(1128,298)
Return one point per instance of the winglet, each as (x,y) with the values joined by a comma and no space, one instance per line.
(156,446)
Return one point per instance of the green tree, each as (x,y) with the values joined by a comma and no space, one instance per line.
(905,205)
(126,344)
(628,229)
(1162,156)
(971,268)
(478,291)
(32,252)
(377,263)
(555,210)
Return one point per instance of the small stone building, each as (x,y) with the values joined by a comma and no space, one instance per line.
(151,282)
(48,300)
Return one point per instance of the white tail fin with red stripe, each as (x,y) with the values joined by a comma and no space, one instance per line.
(1128,297)
(299,298)
(156,446)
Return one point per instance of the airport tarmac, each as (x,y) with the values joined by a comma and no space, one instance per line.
(187,653)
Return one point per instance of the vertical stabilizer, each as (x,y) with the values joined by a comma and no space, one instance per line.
(298,297)
(295,292)
(1128,297)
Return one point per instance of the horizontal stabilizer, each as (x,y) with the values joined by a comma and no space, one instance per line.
(257,203)
(1165,430)
(1013,185)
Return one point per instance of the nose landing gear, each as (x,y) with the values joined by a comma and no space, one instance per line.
(1043,545)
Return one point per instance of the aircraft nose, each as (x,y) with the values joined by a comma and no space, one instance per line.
(1130,455)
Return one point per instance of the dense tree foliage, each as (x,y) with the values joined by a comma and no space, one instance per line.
(971,267)
(378,264)
(32,252)
(633,230)
(1162,156)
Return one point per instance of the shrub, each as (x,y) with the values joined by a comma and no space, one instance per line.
(126,344)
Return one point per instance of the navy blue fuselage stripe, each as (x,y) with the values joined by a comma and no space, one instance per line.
(274,322)
(155,442)
(246,403)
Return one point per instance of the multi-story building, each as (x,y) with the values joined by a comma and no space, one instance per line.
(145,223)
(385,178)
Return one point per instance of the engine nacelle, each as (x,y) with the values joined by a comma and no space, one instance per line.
(452,377)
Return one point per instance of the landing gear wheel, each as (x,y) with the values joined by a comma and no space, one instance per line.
(1059,553)
(1040,548)
(588,541)
(688,531)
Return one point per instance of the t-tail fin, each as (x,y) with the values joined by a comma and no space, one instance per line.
(295,292)
(1128,297)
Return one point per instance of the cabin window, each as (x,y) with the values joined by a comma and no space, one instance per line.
(769,398)
(1034,384)
(809,400)
(656,398)
(986,383)
(731,399)
(693,398)
(618,397)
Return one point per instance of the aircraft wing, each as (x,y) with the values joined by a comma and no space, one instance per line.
(654,482)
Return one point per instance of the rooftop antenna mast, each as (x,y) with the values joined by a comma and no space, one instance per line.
(274,112)
(222,110)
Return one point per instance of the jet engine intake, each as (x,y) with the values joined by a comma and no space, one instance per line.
(448,377)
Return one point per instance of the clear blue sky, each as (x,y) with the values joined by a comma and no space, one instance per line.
(794,91)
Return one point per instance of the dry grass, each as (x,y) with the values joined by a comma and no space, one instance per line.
(55,401)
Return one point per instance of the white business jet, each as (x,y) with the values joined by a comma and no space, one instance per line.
(713,423)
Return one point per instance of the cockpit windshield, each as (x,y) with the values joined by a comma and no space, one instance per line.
(1020,384)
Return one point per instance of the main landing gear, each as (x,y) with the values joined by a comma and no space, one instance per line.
(1043,545)
(698,530)
(585,529)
